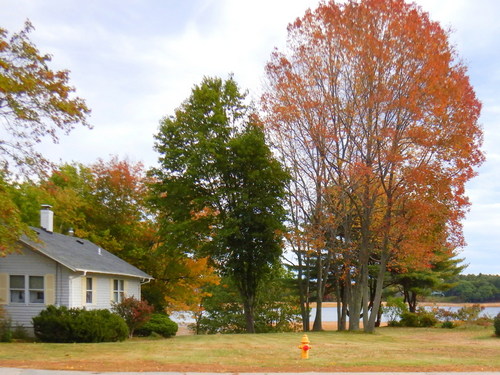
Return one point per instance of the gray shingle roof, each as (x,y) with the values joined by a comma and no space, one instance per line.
(81,255)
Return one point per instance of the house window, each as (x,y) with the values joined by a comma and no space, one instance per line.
(88,290)
(17,289)
(35,290)
(118,290)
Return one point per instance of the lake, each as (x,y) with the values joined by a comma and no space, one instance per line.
(329,314)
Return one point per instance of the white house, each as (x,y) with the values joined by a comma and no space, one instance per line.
(64,271)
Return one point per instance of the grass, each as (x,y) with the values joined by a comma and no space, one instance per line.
(389,349)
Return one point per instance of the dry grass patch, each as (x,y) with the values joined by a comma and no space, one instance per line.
(389,349)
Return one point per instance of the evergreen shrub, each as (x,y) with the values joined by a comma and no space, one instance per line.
(159,324)
(60,324)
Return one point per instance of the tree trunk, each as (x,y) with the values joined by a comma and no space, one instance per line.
(249,314)
(343,305)
(303,290)
(377,301)
(355,306)
(318,324)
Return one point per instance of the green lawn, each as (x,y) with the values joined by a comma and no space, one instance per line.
(389,349)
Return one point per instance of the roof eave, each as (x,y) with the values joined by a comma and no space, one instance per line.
(85,271)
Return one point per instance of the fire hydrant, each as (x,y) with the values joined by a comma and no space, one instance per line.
(305,347)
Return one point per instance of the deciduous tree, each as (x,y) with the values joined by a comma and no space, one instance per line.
(219,190)
(35,101)
(373,109)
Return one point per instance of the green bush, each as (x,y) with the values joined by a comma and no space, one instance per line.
(409,319)
(5,330)
(496,323)
(158,324)
(78,325)
(5,326)
(421,318)
(447,324)
(426,318)
(20,333)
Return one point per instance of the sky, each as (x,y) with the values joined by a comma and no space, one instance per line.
(136,61)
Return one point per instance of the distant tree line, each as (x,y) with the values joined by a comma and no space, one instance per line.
(475,288)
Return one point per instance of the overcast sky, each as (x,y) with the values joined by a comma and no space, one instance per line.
(135,61)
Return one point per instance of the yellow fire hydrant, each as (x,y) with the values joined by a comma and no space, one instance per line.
(305,347)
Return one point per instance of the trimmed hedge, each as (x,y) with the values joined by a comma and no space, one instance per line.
(60,324)
(160,324)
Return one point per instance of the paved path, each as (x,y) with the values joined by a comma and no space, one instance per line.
(16,371)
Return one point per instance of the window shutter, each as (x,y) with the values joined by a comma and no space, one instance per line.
(94,291)
(111,297)
(83,282)
(4,288)
(50,290)
(125,289)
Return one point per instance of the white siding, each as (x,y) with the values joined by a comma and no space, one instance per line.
(26,263)
(102,290)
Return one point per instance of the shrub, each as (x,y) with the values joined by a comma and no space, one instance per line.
(469,314)
(496,324)
(134,312)
(78,325)
(445,315)
(448,324)
(158,324)
(426,318)
(20,333)
(421,318)
(5,326)
(409,319)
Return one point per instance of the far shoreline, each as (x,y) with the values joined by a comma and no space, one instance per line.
(437,304)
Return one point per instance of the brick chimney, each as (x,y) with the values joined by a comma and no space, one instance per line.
(47,218)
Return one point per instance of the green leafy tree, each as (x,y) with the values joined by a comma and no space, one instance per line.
(219,190)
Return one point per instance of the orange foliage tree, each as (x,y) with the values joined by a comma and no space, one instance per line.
(36,102)
(373,111)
